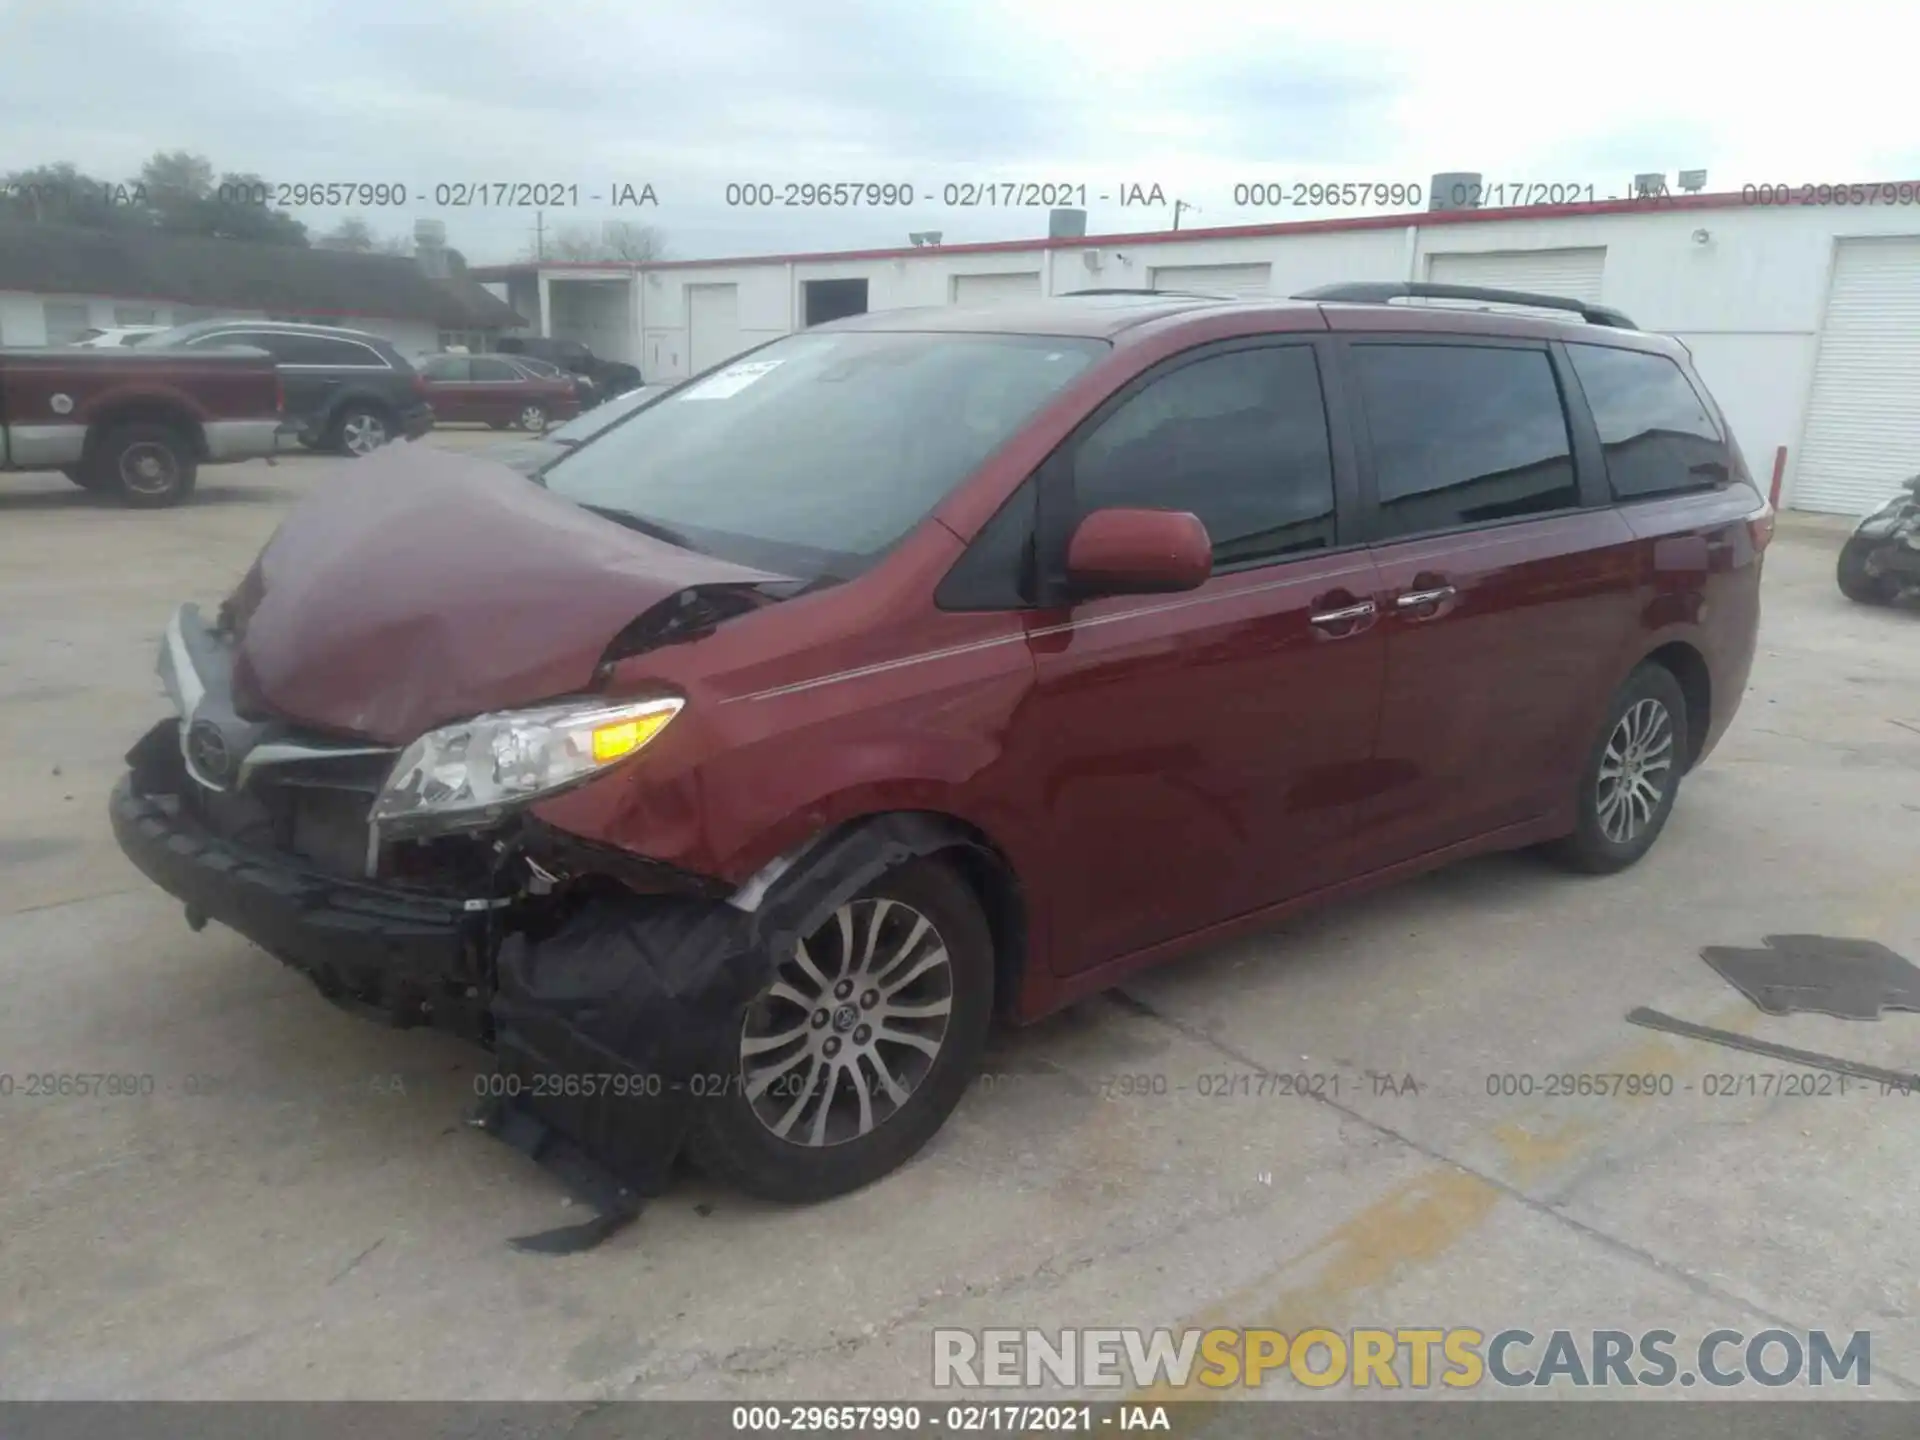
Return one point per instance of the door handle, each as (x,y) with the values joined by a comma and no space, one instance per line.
(1345,615)
(1414,599)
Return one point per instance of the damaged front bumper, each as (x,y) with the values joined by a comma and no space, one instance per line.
(607,984)
(403,956)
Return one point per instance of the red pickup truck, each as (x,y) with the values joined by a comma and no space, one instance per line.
(136,424)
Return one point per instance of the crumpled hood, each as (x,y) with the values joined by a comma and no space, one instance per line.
(422,586)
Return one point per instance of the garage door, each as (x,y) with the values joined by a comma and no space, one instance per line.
(996,289)
(1215,279)
(1863,414)
(1574,274)
(713,320)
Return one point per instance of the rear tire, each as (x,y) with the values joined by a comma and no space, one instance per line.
(1631,776)
(1855,583)
(533,419)
(148,466)
(735,1139)
(359,430)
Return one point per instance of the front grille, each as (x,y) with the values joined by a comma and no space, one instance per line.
(309,799)
(313,807)
(323,825)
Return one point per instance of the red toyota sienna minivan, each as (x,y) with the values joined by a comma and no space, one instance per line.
(731,776)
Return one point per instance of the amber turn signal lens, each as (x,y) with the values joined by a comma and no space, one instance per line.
(611,742)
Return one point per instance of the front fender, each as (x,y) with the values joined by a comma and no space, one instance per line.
(752,804)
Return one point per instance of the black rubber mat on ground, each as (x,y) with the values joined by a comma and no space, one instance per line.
(1849,979)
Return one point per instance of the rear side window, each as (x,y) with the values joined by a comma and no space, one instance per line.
(1238,439)
(445,367)
(1464,435)
(325,350)
(274,345)
(486,367)
(1657,435)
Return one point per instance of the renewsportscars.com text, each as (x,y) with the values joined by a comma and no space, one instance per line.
(1401,1358)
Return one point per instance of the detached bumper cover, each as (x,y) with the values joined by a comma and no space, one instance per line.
(404,957)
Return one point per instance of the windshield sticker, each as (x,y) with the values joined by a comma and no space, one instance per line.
(730,381)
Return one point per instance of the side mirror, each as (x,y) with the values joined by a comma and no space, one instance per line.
(1139,552)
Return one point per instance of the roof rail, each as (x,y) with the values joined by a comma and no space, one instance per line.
(1123,290)
(1379,292)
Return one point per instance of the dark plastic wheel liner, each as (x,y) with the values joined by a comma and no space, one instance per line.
(633,996)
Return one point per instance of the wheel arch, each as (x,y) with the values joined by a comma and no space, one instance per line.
(362,399)
(980,862)
(144,410)
(1688,665)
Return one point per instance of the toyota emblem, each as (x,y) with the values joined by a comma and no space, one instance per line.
(207,752)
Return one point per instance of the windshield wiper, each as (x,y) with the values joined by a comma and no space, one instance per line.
(651,528)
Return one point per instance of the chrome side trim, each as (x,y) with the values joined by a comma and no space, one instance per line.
(1139,611)
(182,680)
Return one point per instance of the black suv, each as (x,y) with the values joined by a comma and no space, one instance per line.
(609,377)
(346,390)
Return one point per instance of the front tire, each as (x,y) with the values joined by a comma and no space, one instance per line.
(1632,775)
(533,419)
(1855,583)
(148,466)
(860,1048)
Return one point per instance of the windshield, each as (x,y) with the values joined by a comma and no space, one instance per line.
(589,423)
(815,453)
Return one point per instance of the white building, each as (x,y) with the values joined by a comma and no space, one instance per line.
(57,282)
(1803,319)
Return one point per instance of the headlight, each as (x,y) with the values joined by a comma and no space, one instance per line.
(472,773)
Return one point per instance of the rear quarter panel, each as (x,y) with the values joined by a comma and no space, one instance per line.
(59,397)
(1700,583)
(240,388)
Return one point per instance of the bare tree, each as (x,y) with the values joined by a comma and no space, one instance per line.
(352,234)
(625,240)
(618,240)
(355,236)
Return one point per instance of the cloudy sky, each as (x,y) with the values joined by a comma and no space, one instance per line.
(1192,95)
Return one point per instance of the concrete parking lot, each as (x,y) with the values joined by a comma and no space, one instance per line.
(297,1210)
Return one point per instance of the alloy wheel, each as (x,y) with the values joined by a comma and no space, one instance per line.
(533,418)
(362,433)
(851,1026)
(149,468)
(1635,771)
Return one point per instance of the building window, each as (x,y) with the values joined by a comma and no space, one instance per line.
(135,315)
(67,321)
